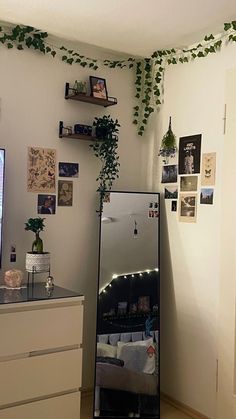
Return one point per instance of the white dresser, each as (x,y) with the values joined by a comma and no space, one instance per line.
(40,353)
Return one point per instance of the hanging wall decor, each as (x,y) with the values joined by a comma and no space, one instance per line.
(65,193)
(208,169)
(190,154)
(41,170)
(188,207)
(206,196)
(168,145)
(149,71)
(171,192)
(169,173)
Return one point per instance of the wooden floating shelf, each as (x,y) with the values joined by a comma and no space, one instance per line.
(89,99)
(78,137)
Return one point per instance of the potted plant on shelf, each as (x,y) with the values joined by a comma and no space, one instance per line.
(37,260)
(168,145)
(105,147)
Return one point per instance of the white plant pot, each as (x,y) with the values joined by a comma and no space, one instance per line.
(37,262)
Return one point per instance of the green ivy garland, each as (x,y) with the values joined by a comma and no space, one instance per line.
(105,148)
(149,71)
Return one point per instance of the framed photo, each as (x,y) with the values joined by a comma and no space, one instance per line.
(169,174)
(65,193)
(190,154)
(68,169)
(98,87)
(46,204)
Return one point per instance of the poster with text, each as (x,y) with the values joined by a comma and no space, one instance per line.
(190,154)
(41,170)
(208,169)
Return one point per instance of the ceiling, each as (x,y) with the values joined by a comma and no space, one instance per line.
(136,27)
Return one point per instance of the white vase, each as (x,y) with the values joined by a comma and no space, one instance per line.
(37,262)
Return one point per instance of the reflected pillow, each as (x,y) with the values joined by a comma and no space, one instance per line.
(138,356)
(103,349)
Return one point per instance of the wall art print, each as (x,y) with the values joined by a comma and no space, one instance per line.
(173,206)
(68,169)
(65,193)
(46,204)
(188,183)
(41,170)
(206,196)
(171,192)
(208,169)
(190,154)
(188,208)
(169,173)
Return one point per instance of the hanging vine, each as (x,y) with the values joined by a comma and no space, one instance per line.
(149,71)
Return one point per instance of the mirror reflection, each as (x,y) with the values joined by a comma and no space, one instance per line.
(127,352)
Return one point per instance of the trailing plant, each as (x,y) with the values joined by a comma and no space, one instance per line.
(105,148)
(168,145)
(149,71)
(36,225)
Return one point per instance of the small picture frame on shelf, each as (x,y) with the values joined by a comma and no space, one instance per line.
(98,87)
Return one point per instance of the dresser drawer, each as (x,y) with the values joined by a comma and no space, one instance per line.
(63,407)
(40,329)
(39,376)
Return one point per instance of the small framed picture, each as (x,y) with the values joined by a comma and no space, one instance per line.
(46,204)
(65,193)
(98,87)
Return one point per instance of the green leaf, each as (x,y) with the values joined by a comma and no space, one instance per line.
(64,58)
(135,121)
(227,26)
(53,53)
(234,24)
(9,45)
(200,54)
(48,49)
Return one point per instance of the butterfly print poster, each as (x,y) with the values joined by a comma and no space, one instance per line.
(41,170)
(208,169)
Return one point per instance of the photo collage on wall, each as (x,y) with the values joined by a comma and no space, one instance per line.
(41,178)
(194,173)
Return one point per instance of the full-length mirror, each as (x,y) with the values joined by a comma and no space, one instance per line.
(127,348)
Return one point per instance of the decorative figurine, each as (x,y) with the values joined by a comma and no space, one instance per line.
(49,282)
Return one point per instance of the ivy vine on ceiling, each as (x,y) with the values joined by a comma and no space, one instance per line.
(149,71)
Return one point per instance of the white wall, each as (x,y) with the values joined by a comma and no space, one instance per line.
(31,105)
(194,97)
